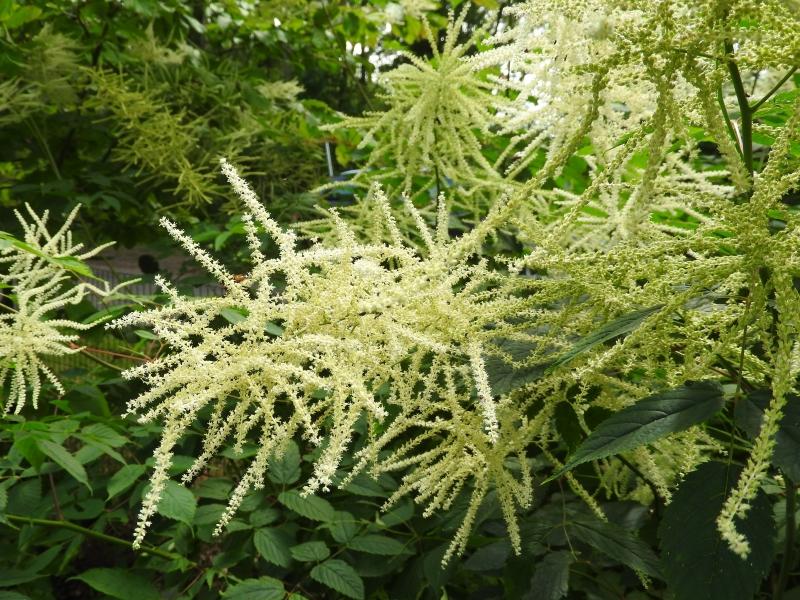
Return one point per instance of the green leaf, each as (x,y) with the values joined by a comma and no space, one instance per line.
(233,315)
(123,479)
(339,576)
(177,503)
(343,527)
(103,434)
(22,15)
(68,263)
(146,335)
(697,563)
(376,544)
(273,329)
(617,327)
(749,414)
(310,507)
(217,488)
(648,420)
(310,552)
(25,444)
(364,485)
(263,588)
(490,557)
(120,583)
(13,596)
(59,455)
(286,469)
(617,543)
(550,580)
(272,544)
(13,577)
(264,516)
(209,514)
(401,513)
(503,376)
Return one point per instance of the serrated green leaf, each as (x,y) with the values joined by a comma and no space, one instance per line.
(59,455)
(264,516)
(697,563)
(490,557)
(343,527)
(105,434)
(504,377)
(310,507)
(25,444)
(376,544)
(177,503)
(273,544)
(123,479)
(310,552)
(208,514)
(364,485)
(401,513)
(339,576)
(263,588)
(615,542)
(216,488)
(286,469)
(648,420)
(617,327)
(550,580)
(749,414)
(120,583)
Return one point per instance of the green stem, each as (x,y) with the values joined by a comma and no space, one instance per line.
(769,94)
(727,118)
(92,533)
(746,141)
(45,146)
(791,531)
(100,361)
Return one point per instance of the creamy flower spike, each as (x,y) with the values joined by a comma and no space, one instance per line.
(40,284)
(354,318)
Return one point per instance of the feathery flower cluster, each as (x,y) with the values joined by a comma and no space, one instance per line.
(37,283)
(401,337)
(435,110)
(646,71)
(353,318)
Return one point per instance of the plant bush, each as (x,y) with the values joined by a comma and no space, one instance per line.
(548,350)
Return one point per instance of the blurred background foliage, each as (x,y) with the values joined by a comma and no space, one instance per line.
(127,106)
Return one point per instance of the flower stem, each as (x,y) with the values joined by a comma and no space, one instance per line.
(92,533)
(791,531)
(746,141)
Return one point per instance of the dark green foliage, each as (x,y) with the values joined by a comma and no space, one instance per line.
(749,411)
(697,564)
(126,107)
(616,328)
(649,419)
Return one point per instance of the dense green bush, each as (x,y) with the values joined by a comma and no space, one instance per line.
(541,340)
